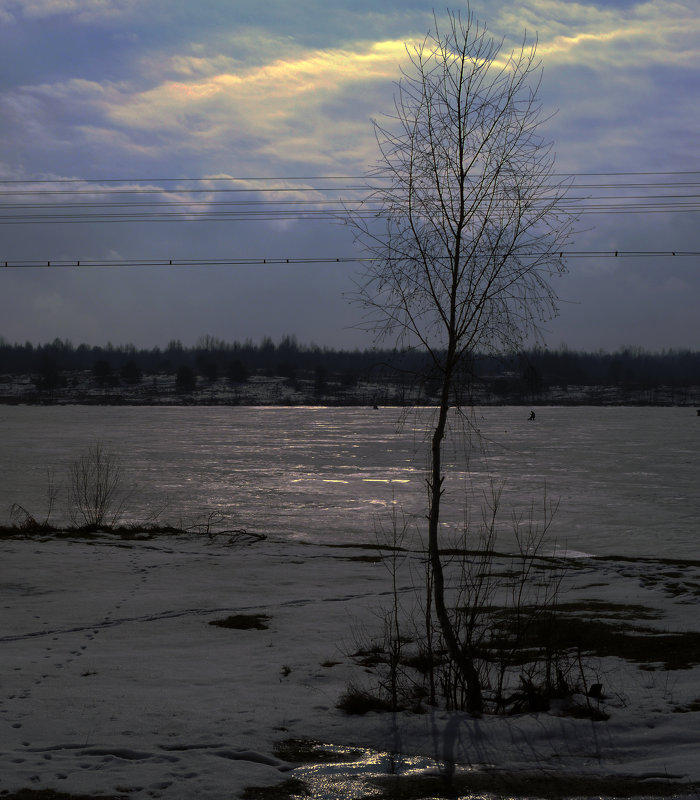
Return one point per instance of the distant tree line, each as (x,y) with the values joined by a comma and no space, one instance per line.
(629,368)
(210,359)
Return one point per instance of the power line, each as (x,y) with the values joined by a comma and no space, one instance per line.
(330,215)
(298,261)
(297,209)
(316,201)
(173,262)
(311,202)
(669,172)
(184,216)
(61,201)
(304,177)
(301,189)
(201,179)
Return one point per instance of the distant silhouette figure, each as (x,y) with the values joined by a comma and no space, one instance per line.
(532,416)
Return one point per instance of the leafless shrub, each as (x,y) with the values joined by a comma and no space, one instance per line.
(95,482)
(26,521)
(503,608)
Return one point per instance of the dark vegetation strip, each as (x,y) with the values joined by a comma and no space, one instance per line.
(38,530)
(60,372)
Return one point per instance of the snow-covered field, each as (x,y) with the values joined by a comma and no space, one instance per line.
(114,682)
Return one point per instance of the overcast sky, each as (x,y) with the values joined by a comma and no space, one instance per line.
(148,90)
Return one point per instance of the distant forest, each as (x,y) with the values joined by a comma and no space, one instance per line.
(525,375)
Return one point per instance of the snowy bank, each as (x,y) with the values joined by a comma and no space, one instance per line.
(114,681)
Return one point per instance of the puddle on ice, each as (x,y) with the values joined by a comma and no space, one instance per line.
(330,772)
(353,773)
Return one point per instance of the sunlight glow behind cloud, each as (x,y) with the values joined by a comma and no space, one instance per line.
(280,103)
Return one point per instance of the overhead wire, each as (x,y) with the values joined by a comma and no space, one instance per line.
(298,261)
(304,177)
(313,201)
(61,201)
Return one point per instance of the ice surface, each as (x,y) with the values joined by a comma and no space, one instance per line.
(625,478)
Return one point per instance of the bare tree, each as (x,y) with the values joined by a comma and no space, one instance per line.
(95,480)
(468,229)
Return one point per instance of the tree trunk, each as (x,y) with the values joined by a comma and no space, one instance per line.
(459,654)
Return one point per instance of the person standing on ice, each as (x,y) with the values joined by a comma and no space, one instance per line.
(532,416)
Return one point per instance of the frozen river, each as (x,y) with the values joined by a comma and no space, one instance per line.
(626,479)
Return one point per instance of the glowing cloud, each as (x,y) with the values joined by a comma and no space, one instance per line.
(278,105)
(655,31)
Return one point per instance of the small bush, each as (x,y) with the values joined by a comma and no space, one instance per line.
(95,480)
(24,523)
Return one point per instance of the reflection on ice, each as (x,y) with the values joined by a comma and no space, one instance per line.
(625,478)
(385,480)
